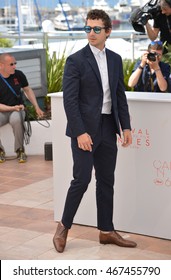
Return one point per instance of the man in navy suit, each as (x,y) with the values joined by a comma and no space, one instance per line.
(96,107)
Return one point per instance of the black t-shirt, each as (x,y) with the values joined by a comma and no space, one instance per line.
(163,22)
(17,81)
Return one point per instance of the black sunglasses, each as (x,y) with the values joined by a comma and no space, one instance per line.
(96,29)
(12,64)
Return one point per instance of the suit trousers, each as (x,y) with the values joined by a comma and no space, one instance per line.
(103,159)
(15,119)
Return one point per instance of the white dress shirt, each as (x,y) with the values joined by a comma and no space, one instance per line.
(100,57)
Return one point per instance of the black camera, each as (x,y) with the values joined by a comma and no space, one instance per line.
(151,56)
(141,15)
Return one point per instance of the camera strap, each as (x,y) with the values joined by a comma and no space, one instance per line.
(151,83)
(147,79)
(168,24)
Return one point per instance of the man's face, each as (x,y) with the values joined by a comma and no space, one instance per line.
(8,66)
(97,40)
(165,8)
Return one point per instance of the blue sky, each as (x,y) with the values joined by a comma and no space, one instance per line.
(53,3)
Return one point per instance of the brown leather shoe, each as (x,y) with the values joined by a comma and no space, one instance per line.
(60,237)
(114,238)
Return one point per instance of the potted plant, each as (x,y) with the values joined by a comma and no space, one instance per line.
(128,66)
(55,69)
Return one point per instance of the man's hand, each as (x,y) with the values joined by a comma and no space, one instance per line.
(154,64)
(144,59)
(18,108)
(85,142)
(39,112)
(127,138)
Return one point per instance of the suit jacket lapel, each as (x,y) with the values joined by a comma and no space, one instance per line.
(110,64)
(91,59)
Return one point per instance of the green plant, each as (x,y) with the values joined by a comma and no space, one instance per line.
(128,66)
(31,112)
(5,43)
(167,58)
(55,67)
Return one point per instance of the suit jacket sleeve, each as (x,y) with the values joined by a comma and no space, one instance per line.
(71,84)
(119,100)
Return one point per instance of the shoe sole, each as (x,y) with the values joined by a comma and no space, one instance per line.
(22,160)
(57,249)
(117,244)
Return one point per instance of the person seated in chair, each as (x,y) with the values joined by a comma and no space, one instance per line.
(12,84)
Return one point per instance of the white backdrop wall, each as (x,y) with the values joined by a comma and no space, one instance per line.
(143,173)
(41,133)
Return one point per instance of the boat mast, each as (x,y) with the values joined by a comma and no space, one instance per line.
(38,13)
(19,14)
(20,19)
(65,14)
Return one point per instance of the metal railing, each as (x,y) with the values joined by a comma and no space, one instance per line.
(41,37)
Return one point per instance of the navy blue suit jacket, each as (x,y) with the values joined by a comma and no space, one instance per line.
(83,93)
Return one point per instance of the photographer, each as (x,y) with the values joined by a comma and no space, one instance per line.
(150,74)
(162,25)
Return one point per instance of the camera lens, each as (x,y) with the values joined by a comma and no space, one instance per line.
(151,56)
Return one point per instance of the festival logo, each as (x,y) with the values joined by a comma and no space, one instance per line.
(140,138)
(162,171)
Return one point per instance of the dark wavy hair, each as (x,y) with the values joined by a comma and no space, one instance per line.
(167,2)
(100,14)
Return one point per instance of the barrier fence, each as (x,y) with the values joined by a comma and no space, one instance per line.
(41,37)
